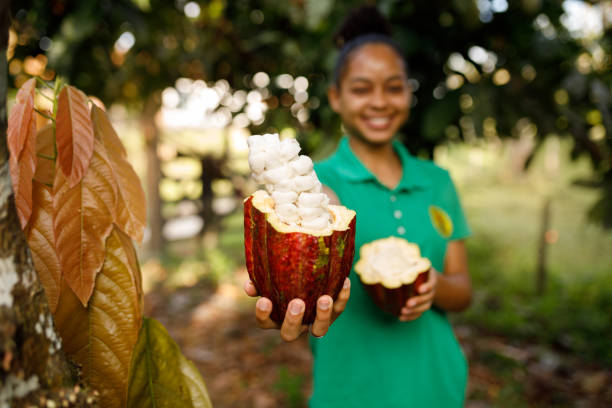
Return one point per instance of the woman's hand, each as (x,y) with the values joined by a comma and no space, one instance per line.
(417,305)
(292,327)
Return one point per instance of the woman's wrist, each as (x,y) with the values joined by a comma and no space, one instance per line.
(453,292)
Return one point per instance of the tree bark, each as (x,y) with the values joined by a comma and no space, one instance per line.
(541,275)
(33,368)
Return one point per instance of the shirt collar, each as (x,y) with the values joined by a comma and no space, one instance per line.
(354,170)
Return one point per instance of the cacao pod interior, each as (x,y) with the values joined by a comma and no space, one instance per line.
(341,217)
(391,262)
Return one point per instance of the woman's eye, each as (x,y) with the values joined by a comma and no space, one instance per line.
(359,91)
(396,89)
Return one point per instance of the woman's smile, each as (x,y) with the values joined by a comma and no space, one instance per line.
(378,122)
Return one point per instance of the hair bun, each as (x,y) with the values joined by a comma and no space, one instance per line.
(361,21)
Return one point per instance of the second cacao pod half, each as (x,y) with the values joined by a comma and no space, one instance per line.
(391,271)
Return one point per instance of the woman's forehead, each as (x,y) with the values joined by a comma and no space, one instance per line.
(375,59)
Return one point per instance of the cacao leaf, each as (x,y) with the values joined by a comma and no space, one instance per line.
(21,118)
(73,133)
(42,243)
(21,135)
(101,336)
(130,211)
(82,221)
(45,146)
(160,375)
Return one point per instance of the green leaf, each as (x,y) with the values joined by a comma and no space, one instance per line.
(160,375)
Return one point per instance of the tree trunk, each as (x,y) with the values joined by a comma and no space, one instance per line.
(33,368)
(541,275)
(151,135)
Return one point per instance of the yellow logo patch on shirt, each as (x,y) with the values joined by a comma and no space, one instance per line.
(441,221)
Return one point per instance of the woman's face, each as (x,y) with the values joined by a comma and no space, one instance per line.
(373,97)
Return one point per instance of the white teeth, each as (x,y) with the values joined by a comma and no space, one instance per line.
(379,121)
(294,188)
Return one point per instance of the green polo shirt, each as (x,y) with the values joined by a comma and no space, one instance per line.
(369,358)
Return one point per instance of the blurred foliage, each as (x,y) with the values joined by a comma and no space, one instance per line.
(290,385)
(477,71)
(573,314)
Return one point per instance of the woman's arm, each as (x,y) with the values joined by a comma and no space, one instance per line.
(450,290)
(453,290)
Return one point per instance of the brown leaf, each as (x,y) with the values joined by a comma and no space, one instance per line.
(22,173)
(42,243)
(130,214)
(45,167)
(73,133)
(21,118)
(82,222)
(101,336)
(21,137)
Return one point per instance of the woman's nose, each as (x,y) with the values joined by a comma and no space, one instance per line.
(379,99)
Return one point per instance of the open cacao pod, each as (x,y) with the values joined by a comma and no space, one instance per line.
(391,271)
(285,262)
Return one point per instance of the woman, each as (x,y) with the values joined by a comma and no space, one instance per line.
(369,358)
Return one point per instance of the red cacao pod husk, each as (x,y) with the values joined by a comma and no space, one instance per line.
(392,300)
(288,265)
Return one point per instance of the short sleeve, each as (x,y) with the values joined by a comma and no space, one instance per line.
(461,229)
(327,176)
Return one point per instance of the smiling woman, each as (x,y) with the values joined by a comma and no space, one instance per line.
(369,358)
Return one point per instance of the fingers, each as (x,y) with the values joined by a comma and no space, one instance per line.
(324,316)
(417,310)
(430,284)
(426,287)
(416,306)
(292,325)
(249,288)
(342,299)
(263,308)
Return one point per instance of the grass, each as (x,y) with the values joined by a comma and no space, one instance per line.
(505,214)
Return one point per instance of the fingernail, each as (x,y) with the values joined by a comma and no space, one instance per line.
(411,303)
(296,308)
(263,306)
(347,284)
(324,304)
